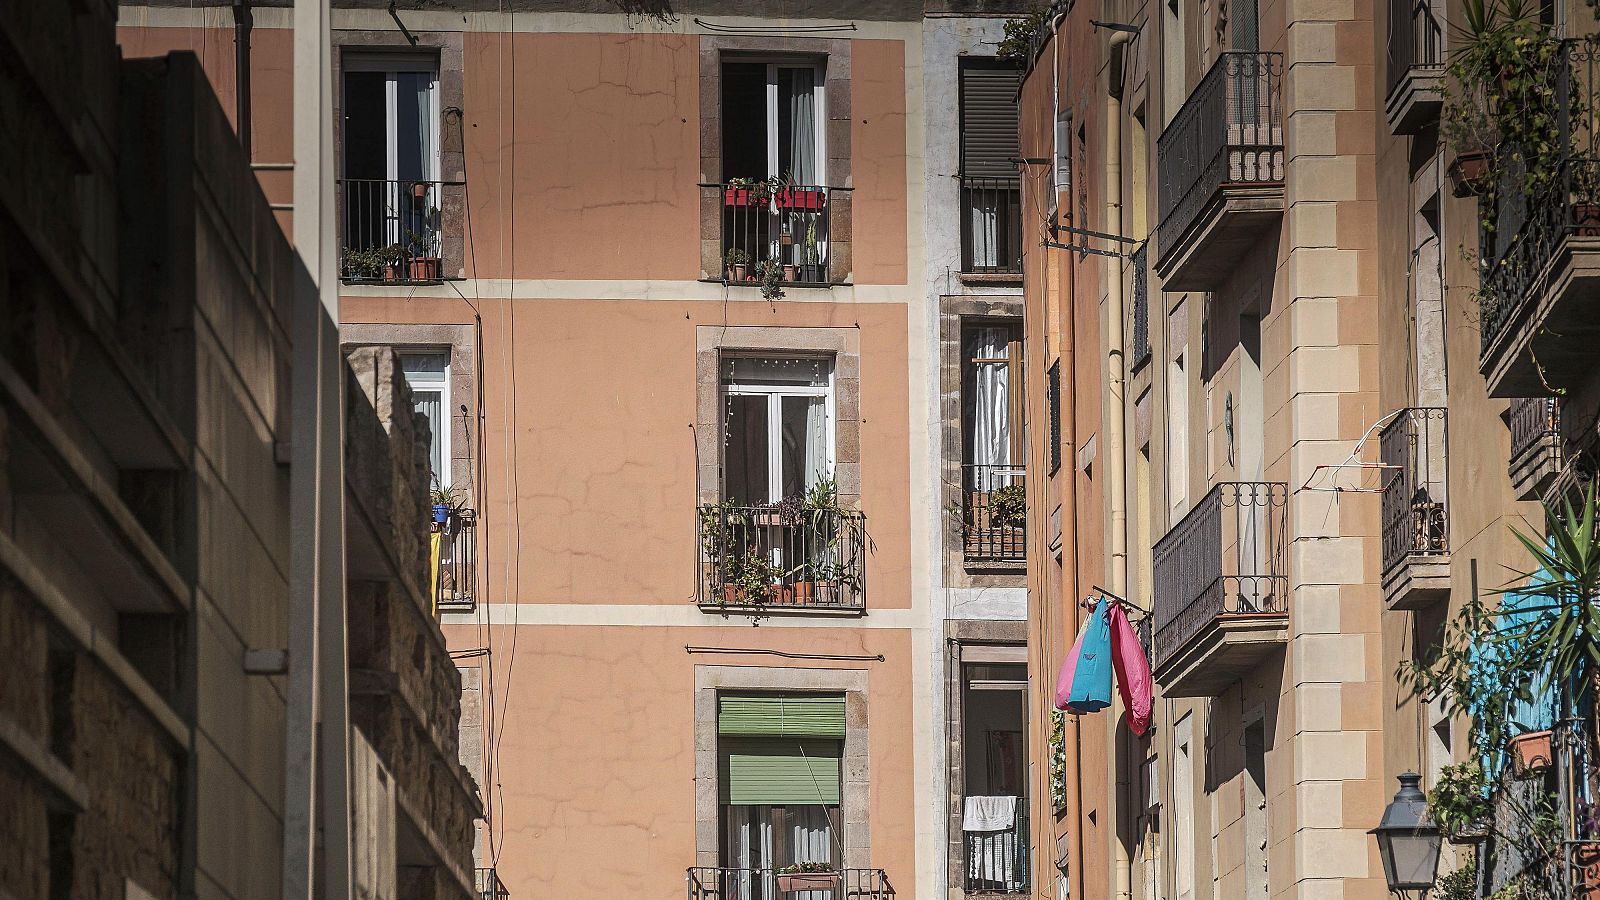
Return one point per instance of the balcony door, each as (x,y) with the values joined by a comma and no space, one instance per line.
(994,769)
(780,763)
(390,106)
(772,121)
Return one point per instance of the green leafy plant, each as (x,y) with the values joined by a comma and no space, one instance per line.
(1021,32)
(1461,884)
(770,273)
(736,257)
(1008,506)
(754,577)
(806,868)
(1459,798)
(443,495)
(370,262)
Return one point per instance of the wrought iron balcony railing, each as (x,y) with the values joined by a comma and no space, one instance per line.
(778,556)
(994,516)
(1416,40)
(780,224)
(392,231)
(455,575)
(1226,557)
(997,862)
(1530,227)
(991,226)
(1413,450)
(715,883)
(1228,133)
(1536,446)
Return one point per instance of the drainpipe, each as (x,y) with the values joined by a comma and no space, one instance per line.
(1116,427)
(243,21)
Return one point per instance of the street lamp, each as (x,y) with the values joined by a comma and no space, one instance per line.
(1408,840)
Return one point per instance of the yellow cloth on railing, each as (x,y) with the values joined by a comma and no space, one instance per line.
(433,557)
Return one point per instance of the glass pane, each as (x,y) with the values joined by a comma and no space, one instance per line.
(745,464)
(413,128)
(805,451)
(797,124)
(430,405)
(756,370)
(419,363)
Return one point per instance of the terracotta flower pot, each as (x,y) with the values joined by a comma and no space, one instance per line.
(1469,172)
(1531,752)
(788,272)
(738,272)
(808,881)
(419,189)
(424,268)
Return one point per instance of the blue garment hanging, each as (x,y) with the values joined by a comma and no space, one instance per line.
(1091,681)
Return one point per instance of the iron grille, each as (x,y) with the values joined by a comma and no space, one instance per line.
(991,225)
(1412,448)
(392,231)
(783,225)
(1226,557)
(1415,39)
(994,518)
(1053,401)
(718,883)
(998,862)
(1141,308)
(455,587)
(1535,421)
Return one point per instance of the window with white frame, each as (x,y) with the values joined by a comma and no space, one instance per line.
(772,120)
(390,158)
(777,426)
(428,376)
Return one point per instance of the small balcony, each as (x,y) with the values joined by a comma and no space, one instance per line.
(1220,166)
(1416,523)
(998,862)
(782,226)
(994,520)
(392,231)
(1139,348)
(1221,589)
(455,557)
(1415,66)
(1539,297)
(711,883)
(991,229)
(1536,456)
(781,558)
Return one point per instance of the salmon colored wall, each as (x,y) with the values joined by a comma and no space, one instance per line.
(583,155)
(878,160)
(603,394)
(613,814)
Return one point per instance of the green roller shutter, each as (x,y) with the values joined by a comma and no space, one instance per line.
(781,715)
(775,771)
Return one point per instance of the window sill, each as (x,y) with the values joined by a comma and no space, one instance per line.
(756,285)
(995,566)
(1005,278)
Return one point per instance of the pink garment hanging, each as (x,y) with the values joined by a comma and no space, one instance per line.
(1069,667)
(1133,670)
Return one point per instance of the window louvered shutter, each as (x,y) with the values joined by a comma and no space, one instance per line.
(763,771)
(781,715)
(988,119)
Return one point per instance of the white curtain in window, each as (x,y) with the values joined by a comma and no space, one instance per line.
(816,442)
(984,227)
(810,840)
(430,404)
(991,405)
(803,116)
(749,847)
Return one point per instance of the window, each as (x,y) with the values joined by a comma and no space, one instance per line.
(1172,58)
(428,375)
(772,121)
(993,442)
(390,158)
(1183,807)
(779,781)
(994,766)
(778,427)
(991,224)
(1053,400)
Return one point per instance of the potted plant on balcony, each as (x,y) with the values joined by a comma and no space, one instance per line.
(447,501)
(770,273)
(751,579)
(735,261)
(1008,506)
(423,262)
(807,876)
(1459,802)
(811,270)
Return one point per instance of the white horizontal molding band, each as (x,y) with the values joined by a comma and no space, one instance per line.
(536,289)
(672,616)
(530,22)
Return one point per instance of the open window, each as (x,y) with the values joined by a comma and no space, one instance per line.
(991,196)
(778,427)
(775,203)
(994,821)
(993,442)
(779,781)
(390,165)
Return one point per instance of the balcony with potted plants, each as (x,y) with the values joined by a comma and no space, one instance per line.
(1531,97)
(1220,170)
(454,535)
(1415,66)
(775,234)
(1536,451)
(393,231)
(1413,449)
(994,517)
(800,554)
(802,881)
(1221,588)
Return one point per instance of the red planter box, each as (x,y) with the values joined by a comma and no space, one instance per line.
(738,197)
(808,881)
(801,198)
